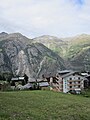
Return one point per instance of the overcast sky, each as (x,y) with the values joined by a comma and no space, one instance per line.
(33,18)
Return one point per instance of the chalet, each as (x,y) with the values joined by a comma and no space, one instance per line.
(38,83)
(17,80)
(42,83)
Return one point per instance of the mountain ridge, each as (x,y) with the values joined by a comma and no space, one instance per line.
(19,55)
(71,49)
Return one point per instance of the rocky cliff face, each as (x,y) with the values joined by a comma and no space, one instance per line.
(20,55)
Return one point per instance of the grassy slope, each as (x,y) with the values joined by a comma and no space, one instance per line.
(43,105)
(77,45)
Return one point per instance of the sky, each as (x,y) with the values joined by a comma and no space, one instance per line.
(33,18)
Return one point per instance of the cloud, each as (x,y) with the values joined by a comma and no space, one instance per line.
(55,17)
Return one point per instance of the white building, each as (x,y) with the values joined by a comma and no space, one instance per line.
(71,81)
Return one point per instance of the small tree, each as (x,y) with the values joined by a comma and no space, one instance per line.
(26,78)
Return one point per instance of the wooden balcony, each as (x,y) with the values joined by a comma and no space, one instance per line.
(74,88)
(74,80)
(75,84)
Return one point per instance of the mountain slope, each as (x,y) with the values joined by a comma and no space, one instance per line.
(81,61)
(53,43)
(71,49)
(19,55)
(79,52)
(77,44)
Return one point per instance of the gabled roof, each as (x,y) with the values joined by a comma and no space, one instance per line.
(64,71)
(17,78)
(32,80)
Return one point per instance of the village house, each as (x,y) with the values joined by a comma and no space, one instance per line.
(32,84)
(39,83)
(64,81)
(43,83)
(17,80)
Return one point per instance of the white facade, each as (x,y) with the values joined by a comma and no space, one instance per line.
(72,82)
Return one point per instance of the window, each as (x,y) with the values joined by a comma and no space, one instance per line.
(74,74)
(70,82)
(79,86)
(79,78)
(70,86)
(79,82)
(70,78)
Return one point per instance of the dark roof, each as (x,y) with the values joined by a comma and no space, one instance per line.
(42,80)
(32,80)
(71,73)
(48,75)
(43,84)
(64,71)
(27,86)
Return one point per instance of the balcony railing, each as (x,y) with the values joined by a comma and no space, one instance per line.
(75,84)
(74,88)
(75,80)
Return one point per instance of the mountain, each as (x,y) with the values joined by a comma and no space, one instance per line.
(54,43)
(19,55)
(78,53)
(74,50)
(43,55)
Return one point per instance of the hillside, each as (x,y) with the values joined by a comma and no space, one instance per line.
(74,50)
(78,52)
(54,43)
(77,44)
(43,105)
(20,55)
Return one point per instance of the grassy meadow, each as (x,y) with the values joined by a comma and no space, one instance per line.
(43,105)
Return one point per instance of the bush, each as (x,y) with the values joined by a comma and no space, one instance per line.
(6,87)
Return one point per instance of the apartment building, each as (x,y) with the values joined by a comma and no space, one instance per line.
(70,81)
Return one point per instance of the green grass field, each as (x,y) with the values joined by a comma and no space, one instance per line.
(43,105)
